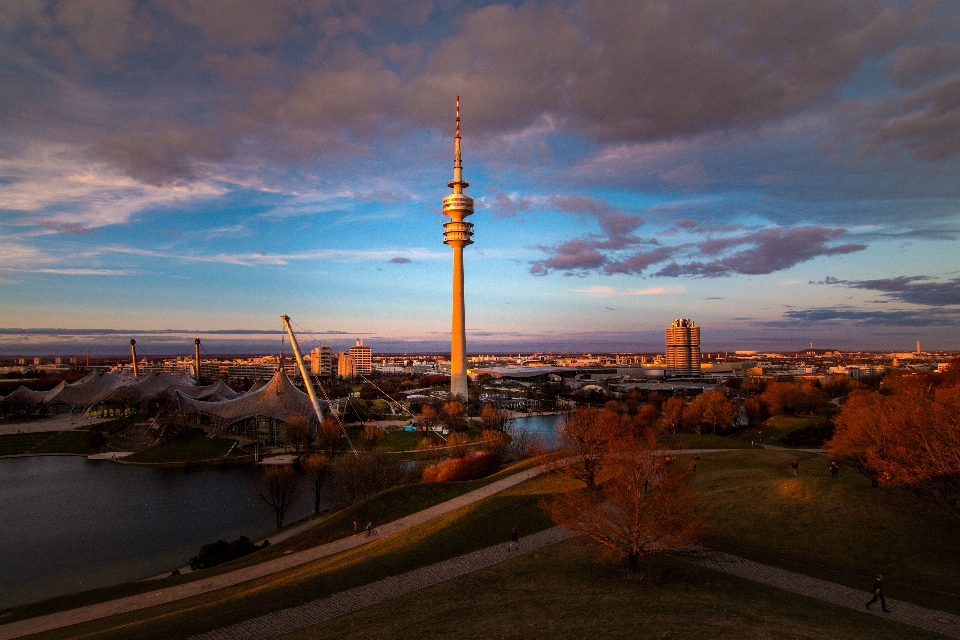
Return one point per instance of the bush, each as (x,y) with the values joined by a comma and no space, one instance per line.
(813,436)
(472,466)
(221,551)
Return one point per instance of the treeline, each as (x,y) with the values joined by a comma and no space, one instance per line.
(906,435)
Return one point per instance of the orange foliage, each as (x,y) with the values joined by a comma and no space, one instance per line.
(645,508)
(469,467)
(909,438)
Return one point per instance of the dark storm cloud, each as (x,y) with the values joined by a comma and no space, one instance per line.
(765,252)
(844,314)
(923,290)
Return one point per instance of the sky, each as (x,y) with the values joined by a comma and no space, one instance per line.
(782,173)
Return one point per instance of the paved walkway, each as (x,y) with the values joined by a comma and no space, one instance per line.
(930,619)
(286,621)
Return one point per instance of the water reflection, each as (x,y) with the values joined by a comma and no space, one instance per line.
(70,524)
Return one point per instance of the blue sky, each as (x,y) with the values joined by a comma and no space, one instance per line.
(782,173)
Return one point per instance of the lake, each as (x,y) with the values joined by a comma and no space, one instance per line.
(542,425)
(71,524)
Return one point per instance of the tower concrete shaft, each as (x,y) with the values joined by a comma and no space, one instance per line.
(458,233)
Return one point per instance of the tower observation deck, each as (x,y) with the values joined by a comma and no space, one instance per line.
(458,233)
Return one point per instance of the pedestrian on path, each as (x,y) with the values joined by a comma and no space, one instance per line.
(878,594)
(834,468)
(794,464)
(356,530)
(514,538)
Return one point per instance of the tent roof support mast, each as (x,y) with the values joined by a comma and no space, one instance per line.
(304,373)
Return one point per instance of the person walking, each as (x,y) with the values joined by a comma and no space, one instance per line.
(356,529)
(834,468)
(878,594)
(794,464)
(514,538)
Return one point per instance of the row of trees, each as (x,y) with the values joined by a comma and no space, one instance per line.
(906,435)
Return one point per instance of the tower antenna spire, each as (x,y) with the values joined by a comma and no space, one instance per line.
(457,184)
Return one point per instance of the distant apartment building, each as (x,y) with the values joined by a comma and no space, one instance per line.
(683,348)
(346,365)
(362,358)
(321,361)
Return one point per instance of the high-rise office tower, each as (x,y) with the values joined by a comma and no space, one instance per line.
(683,348)
(362,357)
(458,233)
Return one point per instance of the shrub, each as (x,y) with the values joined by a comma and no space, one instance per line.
(221,551)
(472,466)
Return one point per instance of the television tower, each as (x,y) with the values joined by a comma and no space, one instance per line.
(458,233)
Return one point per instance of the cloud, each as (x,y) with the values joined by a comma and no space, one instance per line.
(845,314)
(922,290)
(760,252)
(400,260)
(600,291)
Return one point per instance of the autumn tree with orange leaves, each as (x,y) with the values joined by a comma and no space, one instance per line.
(907,437)
(646,506)
(586,434)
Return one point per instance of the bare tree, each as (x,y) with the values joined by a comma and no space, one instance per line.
(368,473)
(296,433)
(279,488)
(493,418)
(317,470)
(645,508)
(586,433)
(330,436)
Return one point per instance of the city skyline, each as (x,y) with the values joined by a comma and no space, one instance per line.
(782,175)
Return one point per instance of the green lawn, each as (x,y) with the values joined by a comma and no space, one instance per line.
(190,446)
(693,441)
(560,591)
(67,442)
(777,427)
(841,529)
(20,443)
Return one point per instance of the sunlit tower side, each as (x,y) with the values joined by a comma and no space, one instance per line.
(458,233)
(683,348)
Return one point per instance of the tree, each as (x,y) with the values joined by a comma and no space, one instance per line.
(368,473)
(279,488)
(454,415)
(329,435)
(792,398)
(296,432)
(371,436)
(427,417)
(711,411)
(910,439)
(586,433)
(317,470)
(645,508)
(671,414)
(493,418)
